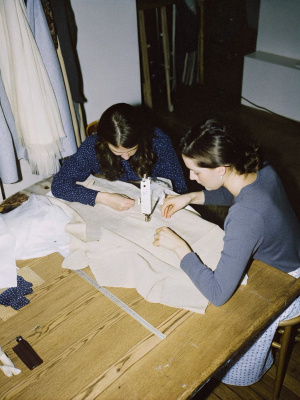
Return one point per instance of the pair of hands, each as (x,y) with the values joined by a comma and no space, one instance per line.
(118,202)
(164,236)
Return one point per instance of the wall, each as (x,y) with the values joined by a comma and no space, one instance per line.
(108,53)
(271,77)
(109,58)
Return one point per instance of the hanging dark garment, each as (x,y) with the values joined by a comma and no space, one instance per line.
(50,21)
(187,31)
(67,35)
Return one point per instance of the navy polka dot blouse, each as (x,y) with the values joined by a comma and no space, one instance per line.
(84,163)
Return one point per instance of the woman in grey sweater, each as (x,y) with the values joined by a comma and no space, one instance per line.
(260,224)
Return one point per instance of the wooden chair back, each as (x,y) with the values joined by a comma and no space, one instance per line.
(91,128)
(290,333)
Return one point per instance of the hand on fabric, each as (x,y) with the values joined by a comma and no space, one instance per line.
(119,202)
(167,238)
(174,203)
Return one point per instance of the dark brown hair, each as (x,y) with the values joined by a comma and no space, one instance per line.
(213,145)
(124,125)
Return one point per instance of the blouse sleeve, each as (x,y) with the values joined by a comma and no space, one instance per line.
(167,165)
(77,168)
(243,234)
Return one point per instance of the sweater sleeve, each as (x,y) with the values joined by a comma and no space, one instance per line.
(219,197)
(77,168)
(168,165)
(243,233)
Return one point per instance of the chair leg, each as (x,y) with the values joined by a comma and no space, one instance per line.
(282,362)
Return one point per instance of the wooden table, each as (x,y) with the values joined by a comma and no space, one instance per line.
(94,350)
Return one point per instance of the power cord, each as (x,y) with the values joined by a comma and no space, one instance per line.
(263,108)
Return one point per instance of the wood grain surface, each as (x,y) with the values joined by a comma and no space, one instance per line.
(94,350)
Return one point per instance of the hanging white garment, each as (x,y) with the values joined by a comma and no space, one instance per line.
(10,148)
(28,88)
(8,167)
(38,23)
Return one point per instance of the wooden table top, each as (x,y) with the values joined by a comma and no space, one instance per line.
(92,349)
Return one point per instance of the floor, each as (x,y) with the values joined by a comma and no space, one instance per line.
(219,97)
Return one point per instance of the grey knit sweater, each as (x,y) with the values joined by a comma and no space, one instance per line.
(260,224)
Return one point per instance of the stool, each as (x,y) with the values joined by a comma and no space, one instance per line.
(285,328)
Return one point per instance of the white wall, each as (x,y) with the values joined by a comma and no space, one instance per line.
(271,77)
(108,53)
(279,28)
(109,58)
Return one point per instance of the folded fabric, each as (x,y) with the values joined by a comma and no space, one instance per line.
(8,367)
(15,296)
(118,246)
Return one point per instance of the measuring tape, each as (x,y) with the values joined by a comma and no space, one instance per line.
(120,303)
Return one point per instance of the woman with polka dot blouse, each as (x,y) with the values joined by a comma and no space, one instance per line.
(124,149)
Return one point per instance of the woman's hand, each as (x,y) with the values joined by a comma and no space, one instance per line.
(167,238)
(174,203)
(119,202)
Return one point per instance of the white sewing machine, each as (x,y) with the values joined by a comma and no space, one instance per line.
(147,193)
(146,197)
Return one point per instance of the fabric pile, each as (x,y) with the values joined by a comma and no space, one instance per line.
(34,229)
(118,246)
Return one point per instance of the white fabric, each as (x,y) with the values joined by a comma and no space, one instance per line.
(37,227)
(8,367)
(118,247)
(40,29)
(29,90)
(8,268)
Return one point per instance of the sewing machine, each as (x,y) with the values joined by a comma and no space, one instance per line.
(145,199)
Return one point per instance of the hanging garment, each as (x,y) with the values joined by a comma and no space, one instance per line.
(118,246)
(10,150)
(8,167)
(50,21)
(29,90)
(67,35)
(41,33)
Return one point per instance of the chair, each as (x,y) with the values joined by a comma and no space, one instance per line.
(287,340)
(91,128)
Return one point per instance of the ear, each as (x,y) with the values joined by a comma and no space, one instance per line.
(222,171)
